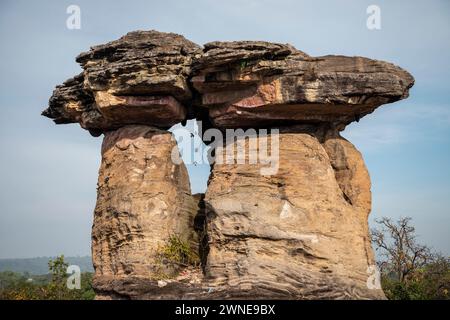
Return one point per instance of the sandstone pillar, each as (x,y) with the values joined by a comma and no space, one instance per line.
(301,233)
(143,198)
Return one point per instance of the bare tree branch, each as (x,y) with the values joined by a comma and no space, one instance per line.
(397,244)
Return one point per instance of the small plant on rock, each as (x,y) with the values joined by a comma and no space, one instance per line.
(174,255)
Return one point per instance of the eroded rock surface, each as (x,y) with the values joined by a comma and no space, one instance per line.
(141,78)
(300,232)
(160,79)
(143,198)
(257,84)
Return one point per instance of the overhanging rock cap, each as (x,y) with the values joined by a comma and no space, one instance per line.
(159,79)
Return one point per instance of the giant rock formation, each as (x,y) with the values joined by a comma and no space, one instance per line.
(300,233)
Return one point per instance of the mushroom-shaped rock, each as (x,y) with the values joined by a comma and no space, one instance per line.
(300,231)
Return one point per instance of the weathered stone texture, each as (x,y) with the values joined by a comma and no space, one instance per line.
(300,233)
(141,78)
(143,198)
(160,79)
(257,84)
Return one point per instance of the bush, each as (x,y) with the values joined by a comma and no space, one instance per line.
(173,256)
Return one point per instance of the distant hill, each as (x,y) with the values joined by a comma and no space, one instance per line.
(39,265)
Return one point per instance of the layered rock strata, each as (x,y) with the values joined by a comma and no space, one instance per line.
(142,78)
(143,198)
(298,232)
(260,84)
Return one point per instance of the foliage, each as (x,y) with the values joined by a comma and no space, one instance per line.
(179,251)
(16,286)
(243,64)
(173,255)
(39,265)
(57,286)
(409,270)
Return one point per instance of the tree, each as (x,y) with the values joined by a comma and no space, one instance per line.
(399,248)
(409,270)
(57,286)
(15,286)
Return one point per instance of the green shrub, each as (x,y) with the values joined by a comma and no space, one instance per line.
(174,255)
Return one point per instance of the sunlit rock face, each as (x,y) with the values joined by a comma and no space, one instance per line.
(142,198)
(300,233)
(160,79)
(142,78)
(254,84)
(297,232)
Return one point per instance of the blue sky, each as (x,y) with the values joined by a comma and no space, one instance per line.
(49,173)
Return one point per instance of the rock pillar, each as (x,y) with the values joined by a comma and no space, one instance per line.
(300,233)
(143,199)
